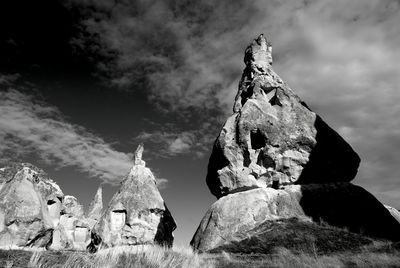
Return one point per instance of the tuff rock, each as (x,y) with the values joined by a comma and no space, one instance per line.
(96,207)
(30,206)
(274,136)
(136,214)
(235,217)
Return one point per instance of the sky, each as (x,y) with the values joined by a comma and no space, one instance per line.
(83,82)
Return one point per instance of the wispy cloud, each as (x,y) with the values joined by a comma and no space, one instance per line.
(168,144)
(29,125)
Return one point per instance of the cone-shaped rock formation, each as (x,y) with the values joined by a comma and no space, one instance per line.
(271,142)
(30,206)
(274,136)
(96,206)
(137,213)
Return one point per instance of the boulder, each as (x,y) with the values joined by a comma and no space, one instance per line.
(274,136)
(234,217)
(136,214)
(30,206)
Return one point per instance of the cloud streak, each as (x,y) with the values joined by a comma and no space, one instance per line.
(28,125)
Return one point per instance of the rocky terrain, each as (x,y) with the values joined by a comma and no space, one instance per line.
(275,161)
(35,213)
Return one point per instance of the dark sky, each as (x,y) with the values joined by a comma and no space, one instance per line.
(82,82)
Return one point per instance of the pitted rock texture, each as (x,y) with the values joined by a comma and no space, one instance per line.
(274,136)
(72,207)
(137,214)
(30,206)
(344,205)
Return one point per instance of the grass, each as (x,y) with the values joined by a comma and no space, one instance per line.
(378,254)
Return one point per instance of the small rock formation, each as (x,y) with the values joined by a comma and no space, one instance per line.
(73,230)
(276,163)
(72,207)
(96,207)
(273,135)
(345,205)
(30,206)
(137,214)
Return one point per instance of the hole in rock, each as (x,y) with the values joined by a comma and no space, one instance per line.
(54,209)
(118,218)
(246,158)
(257,139)
(265,160)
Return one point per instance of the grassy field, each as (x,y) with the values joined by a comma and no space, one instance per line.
(377,255)
(289,243)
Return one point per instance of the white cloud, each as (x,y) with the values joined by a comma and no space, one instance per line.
(28,125)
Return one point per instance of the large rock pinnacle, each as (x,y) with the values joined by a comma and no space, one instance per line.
(137,213)
(274,136)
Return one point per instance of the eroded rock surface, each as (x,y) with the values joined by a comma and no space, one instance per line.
(30,206)
(137,213)
(96,207)
(233,217)
(274,136)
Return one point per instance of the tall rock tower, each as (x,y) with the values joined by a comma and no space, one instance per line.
(274,136)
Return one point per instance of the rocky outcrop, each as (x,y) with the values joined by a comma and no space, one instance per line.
(274,136)
(276,165)
(73,230)
(137,214)
(30,206)
(72,207)
(233,217)
(96,207)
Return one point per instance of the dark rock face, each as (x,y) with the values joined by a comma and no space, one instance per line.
(274,136)
(137,213)
(235,217)
(30,205)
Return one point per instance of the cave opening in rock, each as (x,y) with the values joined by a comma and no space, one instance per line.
(257,139)
(118,219)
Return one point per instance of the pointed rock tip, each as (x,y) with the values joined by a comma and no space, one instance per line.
(259,53)
(138,155)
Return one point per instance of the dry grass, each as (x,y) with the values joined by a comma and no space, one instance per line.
(379,254)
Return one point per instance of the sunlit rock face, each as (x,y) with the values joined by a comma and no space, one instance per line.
(137,214)
(95,207)
(274,136)
(30,206)
(276,163)
(73,230)
(235,216)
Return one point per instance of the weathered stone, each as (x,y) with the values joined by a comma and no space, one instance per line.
(137,213)
(273,135)
(30,206)
(394,212)
(71,206)
(95,208)
(343,205)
